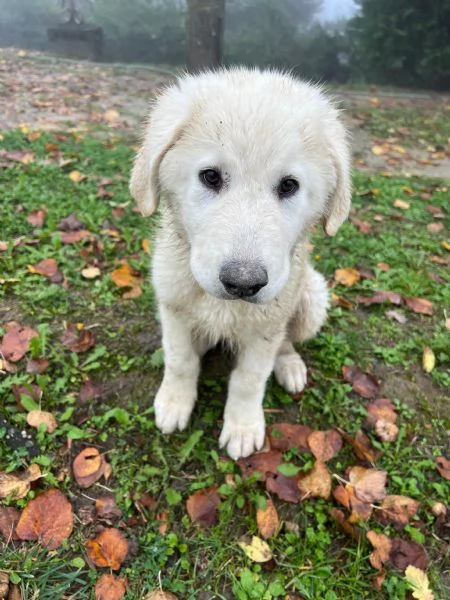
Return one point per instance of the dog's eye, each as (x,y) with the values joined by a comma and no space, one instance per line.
(211,178)
(287,187)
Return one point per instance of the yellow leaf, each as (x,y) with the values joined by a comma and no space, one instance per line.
(347,276)
(445,245)
(428,359)
(418,582)
(76,176)
(258,550)
(91,272)
(146,246)
(375,101)
(111,115)
(378,149)
(399,149)
(401,204)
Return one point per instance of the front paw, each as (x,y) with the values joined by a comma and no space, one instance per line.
(242,439)
(173,407)
(290,372)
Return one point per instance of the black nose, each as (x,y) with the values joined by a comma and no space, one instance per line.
(243,279)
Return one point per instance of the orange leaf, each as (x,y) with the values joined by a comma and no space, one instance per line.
(126,276)
(108,549)
(88,467)
(267,520)
(324,444)
(443,466)
(16,341)
(347,276)
(202,506)
(47,518)
(382,545)
(110,587)
(316,483)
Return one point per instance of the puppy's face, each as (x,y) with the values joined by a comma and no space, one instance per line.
(248,171)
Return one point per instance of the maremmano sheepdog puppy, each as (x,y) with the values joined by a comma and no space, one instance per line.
(246,162)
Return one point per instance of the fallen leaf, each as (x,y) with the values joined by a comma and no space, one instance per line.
(347,276)
(445,245)
(126,276)
(360,510)
(341,301)
(363,384)
(134,292)
(419,305)
(16,341)
(47,518)
(37,365)
(397,510)
(324,445)
(435,227)
(110,587)
(383,267)
(4,584)
(111,115)
(347,527)
(108,549)
(257,550)
(202,506)
(21,156)
(284,487)
(382,548)
(76,176)
(287,436)
(106,508)
(380,297)
(386,431)
(18,486)
(91,272)
(36,218)
(369,484)
(30,390)
(78,339)
(363,226)
(146,246)
(361,445)
(381,409)
(48,268)
(405,552)
(71,223)
(162,518)
(261,462)
(401,204)
(88,466)
(267,519)
(90,391)
(159,595)
(443,466)
(36,418)
(418,582)
(396,316)
(439,509)
(378,149)
(316,483)
(428,359)
(9,517)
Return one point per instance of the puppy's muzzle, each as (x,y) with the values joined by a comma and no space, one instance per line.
(243,279)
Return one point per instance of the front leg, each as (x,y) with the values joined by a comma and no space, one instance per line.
(244,424)
(178,391)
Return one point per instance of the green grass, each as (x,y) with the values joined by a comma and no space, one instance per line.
(313,558)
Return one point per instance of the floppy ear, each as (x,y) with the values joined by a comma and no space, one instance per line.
(338,205)
(164,127)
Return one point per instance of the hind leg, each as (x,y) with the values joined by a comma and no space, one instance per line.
(290,370)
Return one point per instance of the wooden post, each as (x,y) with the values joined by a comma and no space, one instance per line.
(204,31)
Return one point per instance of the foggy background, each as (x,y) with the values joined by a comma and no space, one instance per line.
(401,42)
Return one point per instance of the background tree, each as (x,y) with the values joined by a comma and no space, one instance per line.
(403,42)
(204,30)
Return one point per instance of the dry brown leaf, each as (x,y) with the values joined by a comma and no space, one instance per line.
(78,339)
(435,227)
(361,445)
(363,384)
(37,217)
(386,431)
(110,587)
(88,466)
(284,487)
(16,341)
(4,584)
(286,436)
(162,517)
(47,518)
(71,237)
(17,486)
(324,445)
(341,301)
(159,595)
(380,297)
(316,483)
(267,520)
(347,527)
(443,466)
(381,409)
(405,552)
(202,506)
(36,418)
(108,549)
(347,276)
(369,484)
(397,510)
(106,508)
(401,204)
(363,226)
(37,365)
(419,305)
(71,223)
(382,548)
(9,517)
(261,462)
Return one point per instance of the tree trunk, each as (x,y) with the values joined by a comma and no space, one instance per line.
(204,30)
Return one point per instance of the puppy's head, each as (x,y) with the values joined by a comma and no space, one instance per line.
(247,161)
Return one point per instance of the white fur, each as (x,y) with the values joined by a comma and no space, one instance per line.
(256,127)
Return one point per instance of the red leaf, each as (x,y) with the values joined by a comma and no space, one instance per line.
(284,487)
(285,436)
(202,506)
(261,462)
(47,518)
(363,384)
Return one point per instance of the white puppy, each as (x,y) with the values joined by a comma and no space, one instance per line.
(246,162)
